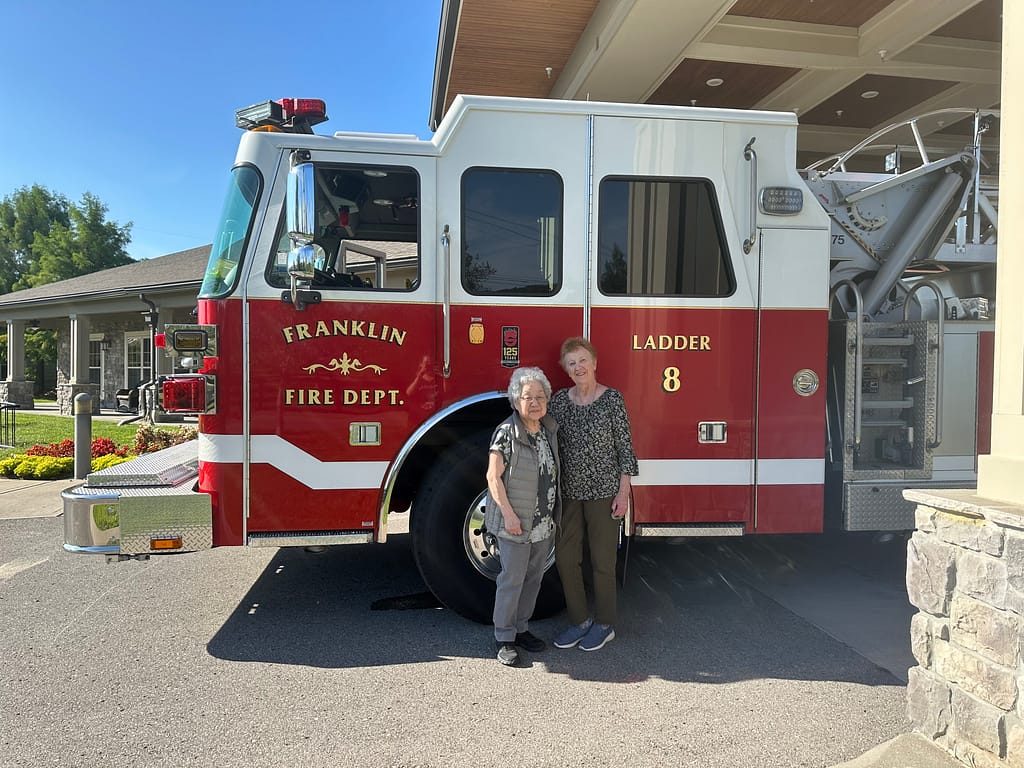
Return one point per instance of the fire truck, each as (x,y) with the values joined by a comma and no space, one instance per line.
(795,347)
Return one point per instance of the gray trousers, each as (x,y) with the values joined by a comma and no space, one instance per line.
(592,520)
(522,569)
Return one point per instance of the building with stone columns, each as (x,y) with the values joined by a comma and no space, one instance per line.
(104,323)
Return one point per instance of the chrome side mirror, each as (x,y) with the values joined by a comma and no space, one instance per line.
(301,259)
(300,204)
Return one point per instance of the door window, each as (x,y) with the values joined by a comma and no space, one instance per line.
(511,232)
(367,237)
(661,238)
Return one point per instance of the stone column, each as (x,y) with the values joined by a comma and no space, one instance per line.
(79,380)
(965,562)
(16,389)
(1000,473)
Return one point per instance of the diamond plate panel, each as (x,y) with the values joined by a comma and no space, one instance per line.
(144,517)
(877,508)
(169,467)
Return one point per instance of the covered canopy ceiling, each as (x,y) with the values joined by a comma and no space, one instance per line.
(846,67)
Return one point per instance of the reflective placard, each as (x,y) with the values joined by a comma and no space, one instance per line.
(189,340)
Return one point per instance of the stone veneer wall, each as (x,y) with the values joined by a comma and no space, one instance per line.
(965,574)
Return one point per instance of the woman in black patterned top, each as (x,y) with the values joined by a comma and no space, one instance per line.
(596,450)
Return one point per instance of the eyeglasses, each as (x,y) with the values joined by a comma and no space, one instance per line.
(526,399)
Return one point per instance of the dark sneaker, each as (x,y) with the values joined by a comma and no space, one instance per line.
(508,654)
(530,642)
(598,636)
(572,635)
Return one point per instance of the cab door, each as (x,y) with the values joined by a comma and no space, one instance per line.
(673,315)
(512,213)
(337,385)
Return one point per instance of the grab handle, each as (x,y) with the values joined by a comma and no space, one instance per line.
(751,157)
(446,309)
(858,354)
(941,315)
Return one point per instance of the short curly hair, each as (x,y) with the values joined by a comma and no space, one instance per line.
(574,343)
(523,376)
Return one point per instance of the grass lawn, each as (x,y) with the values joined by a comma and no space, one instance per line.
(32,429)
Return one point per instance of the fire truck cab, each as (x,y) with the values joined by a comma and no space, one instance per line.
(368,296)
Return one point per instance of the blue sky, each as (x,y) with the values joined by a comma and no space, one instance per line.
(135,102)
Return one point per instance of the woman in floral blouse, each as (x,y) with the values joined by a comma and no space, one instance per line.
(596,449)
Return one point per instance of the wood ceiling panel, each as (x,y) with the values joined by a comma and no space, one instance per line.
(842,13)
(964,128)
(894,95)
(503,48)
(983,22)
(744,84)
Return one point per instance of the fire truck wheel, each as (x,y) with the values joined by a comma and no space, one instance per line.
(457,558)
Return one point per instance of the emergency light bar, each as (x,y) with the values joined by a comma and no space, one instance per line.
(285,115)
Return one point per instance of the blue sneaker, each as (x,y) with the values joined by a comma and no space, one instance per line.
(569,636)
(598,636)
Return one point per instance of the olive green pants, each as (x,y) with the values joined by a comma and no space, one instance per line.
(591,521)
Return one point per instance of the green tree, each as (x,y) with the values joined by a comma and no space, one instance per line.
(30,210)
(40,348)
(44,238)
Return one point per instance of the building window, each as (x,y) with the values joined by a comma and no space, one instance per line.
(138,359)
(661,238)
(95,361)
(511,232)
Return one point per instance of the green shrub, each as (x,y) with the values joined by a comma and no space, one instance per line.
(50,468)
(26,467)
(36,467)
(151,438)
(102,462)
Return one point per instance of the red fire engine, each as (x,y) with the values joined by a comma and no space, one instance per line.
(368,296)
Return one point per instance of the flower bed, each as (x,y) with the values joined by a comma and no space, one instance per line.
(57,460)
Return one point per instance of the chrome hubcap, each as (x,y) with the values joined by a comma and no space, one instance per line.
(482,547)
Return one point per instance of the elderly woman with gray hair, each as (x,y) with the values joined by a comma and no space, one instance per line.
(522,509)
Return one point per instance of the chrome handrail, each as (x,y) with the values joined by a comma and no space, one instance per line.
(751,157)
(858,356)
(941,316)
(446,308)
(840,163)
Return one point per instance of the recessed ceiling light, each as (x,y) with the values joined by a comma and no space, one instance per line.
(869,94)
(714,82)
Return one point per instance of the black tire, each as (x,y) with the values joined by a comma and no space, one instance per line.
(448,543)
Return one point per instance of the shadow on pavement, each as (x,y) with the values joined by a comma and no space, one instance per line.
(688,612)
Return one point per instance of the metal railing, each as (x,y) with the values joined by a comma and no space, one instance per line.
(8,424)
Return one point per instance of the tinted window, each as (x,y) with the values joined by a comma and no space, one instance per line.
(367,235)
(661,238)
(511,232)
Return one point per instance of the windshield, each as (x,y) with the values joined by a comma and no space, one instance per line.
(235,223)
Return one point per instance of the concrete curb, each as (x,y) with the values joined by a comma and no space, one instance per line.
(910,750)
(21,499)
